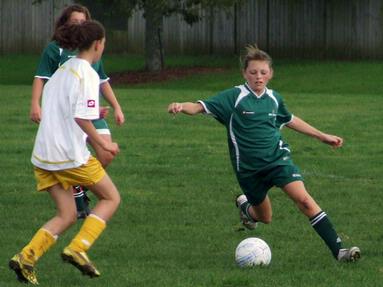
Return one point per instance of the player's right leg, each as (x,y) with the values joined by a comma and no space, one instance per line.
(251,214)
(23,263)
(254,204)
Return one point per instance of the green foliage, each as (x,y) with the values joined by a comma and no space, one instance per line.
(189,9)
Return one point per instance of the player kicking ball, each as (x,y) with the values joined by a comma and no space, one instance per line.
(61,157)
(253,116)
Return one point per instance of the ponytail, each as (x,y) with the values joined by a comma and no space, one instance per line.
(79,36)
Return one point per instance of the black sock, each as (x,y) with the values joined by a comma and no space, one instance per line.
(322,225)
(79,197)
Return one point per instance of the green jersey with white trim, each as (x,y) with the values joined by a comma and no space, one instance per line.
(253,127)
(53,57)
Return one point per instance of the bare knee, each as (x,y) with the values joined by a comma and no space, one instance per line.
(262,212)
(308,206)
(265,219)
(113,196)
(304,203)
(67,218)
(71,218)
(117,199)
(261,215)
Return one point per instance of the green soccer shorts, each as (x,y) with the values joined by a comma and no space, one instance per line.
(255,187)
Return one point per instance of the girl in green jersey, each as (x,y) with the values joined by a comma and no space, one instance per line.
(253,116)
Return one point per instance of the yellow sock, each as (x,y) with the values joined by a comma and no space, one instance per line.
(40,243)
(91,229)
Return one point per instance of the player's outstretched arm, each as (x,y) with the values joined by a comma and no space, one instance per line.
(301,126)
(186,108)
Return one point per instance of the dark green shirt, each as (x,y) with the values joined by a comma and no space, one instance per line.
(253,127)
(53,57)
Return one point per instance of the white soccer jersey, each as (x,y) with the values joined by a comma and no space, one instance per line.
(72,92)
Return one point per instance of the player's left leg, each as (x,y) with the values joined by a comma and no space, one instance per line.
(319,221)
(93,226)
(254,204)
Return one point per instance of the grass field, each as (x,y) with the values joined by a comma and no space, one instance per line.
(177,224)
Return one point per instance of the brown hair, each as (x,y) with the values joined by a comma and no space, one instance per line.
(253,53)
(79,36)
(67,12)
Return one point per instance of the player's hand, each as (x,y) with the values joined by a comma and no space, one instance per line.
(332,140)
(35,114)
(104,112)
(119,117)
(175,108)
(112,147)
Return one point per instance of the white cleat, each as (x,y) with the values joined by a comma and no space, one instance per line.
(349,255)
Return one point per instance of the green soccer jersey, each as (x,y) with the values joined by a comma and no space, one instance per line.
(53,57)
(253,127)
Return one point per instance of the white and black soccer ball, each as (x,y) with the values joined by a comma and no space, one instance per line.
(252,252)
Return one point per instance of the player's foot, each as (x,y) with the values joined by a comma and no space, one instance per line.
(81,261)
(82,201)
(24,271)
(349,255)
(249,223)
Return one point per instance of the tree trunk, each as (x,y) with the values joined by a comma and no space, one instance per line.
(153,38)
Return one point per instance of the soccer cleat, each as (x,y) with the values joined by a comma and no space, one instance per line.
(81,261)
(24,271)
(249,223)
(349,255)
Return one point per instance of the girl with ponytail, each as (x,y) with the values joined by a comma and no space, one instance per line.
(62,159)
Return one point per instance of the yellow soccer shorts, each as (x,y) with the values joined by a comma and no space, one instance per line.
(85,175)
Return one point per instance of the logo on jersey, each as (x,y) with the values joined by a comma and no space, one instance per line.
(248,113)
(91,103)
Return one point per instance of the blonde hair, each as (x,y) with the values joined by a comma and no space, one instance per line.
(253,53)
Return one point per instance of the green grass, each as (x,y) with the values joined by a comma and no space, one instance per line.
(177,224)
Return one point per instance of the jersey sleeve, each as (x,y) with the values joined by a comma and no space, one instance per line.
(221,106)
(49,62)
(87,102)
(283,115)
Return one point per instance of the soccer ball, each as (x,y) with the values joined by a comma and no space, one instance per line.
(252,252)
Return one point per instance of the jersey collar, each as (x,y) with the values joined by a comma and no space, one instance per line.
(253,92)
